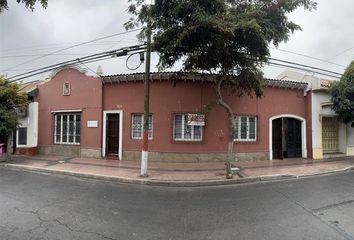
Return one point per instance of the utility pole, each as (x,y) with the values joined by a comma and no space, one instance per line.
(145,147)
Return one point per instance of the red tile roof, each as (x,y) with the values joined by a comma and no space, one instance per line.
(325,83)
(191,77)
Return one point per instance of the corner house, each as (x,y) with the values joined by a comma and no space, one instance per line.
(86,116)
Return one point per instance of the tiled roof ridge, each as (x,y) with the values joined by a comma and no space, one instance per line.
(325,83)
(133,77)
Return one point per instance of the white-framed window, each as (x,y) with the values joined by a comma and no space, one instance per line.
(184,132)
(137,126)
(67,128)
(245,128)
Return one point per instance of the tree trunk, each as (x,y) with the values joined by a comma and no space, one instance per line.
(220,101)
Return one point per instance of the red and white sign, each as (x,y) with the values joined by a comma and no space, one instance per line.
(196,119)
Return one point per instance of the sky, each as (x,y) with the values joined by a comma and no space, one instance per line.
(326,40)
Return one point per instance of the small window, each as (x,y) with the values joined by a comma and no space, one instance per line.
(22,136)
(137,126)
(245,128)
(184,132)
(66,89)
(67,129)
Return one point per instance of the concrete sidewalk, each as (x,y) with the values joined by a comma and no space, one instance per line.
(179,174)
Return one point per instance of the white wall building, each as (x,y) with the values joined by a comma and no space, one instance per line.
(27,132)
(330,138)
(26,138)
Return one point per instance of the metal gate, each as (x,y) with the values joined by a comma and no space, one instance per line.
(330,136)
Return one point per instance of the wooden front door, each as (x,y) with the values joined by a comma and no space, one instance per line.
(330,136)
(112,123)
(293,138)
(287,138)
(277,138)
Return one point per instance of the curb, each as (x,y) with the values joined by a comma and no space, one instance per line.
(152,182)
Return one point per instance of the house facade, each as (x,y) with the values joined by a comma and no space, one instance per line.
(70,114)
(25,139)
(85,116)
(329,138)
(173,140)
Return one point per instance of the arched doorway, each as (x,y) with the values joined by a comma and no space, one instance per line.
(287,137)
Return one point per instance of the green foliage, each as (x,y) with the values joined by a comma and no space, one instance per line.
(208,107)
(227,37)
(343,96)
(28,3)
(10,101)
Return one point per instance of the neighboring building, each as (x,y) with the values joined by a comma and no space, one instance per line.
(80,115)
(329,137)
(70,114)
(25,140)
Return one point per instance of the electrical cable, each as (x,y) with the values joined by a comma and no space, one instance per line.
(112,52)
(36,55)
(307,56)
(59,45)
(302,65)
(299,68)
(73,46)
(87,59)
(344,51)
(126,62)
(109,54)
(87,67)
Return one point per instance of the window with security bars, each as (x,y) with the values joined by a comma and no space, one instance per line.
(184,132)
(137,126)
(245,128)
(67,129)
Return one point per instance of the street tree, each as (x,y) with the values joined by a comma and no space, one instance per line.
(28,3)
(343,96)
(229,38)
(11,100)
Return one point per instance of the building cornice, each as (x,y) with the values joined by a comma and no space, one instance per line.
(191,77)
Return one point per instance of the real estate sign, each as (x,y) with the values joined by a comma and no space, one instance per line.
(196,119)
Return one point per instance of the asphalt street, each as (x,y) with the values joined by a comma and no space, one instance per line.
(41,206)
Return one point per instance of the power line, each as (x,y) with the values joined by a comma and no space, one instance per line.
(123,51)
(36,55)
(88,68)
(307,56)
(59,45)
(73,46)
(300,68)
(307,66)
(340,53)
(29,50)
(57,67)
(87,59)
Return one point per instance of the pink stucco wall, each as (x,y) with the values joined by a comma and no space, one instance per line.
(165,100)
(89,95)
(86,94)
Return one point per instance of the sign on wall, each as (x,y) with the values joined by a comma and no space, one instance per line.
(92,124)
(196,119)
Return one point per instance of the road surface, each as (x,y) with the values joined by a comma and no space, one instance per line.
(42,206)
